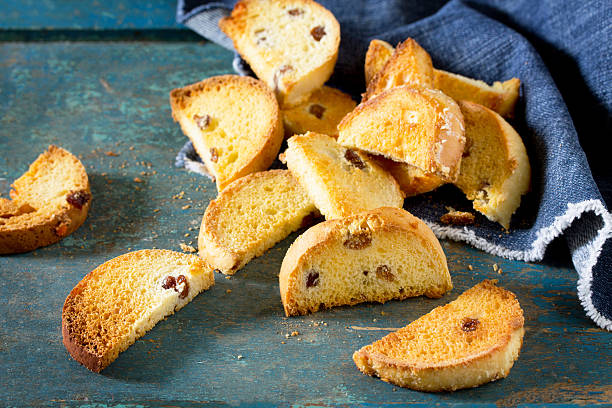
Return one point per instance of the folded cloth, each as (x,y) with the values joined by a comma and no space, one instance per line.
(559,49)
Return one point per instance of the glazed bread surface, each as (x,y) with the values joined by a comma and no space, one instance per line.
(468,342)
(123,298)
(233,122)
(291,45)
(250,216)
(339,181)
(48,202)
(373,256)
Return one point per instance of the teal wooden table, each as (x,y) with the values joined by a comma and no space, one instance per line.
(66,79)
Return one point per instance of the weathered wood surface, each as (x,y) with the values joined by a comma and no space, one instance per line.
(94,98)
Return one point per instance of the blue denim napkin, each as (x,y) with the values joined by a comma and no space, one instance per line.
(561,51)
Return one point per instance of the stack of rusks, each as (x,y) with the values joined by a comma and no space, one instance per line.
(415,129)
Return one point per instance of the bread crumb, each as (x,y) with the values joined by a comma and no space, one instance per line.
(228,291)
(137,180)
(282,342)
(131,148)
(186,206)
(187,248)
(156,210)
(186,235)
(239,357)
(470,267)
(455,217)
(382,313)
(295,333)
(228,277)
(111,153)
(495,267)
(499,271)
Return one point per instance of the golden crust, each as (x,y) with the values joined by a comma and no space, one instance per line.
(376,57)
(478,338)
(280,41)
(40,213)
(254,132)
(327,242)
(412,180)
(276,199)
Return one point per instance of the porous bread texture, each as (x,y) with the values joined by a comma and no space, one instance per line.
(338,180)
(40,211)
(468,342)
(233,122)
(250,216)
(374,256)
(320,113)
(500,97)
(418,126)
(123,298)
(292,45)
(409,64)
(376,57)
(495,170)
(412,180)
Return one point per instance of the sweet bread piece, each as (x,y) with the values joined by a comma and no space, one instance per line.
(321,113)
(500,97)
(468,342)
(123,298)
(373,256)
(48,202)
(376,57)
(409,64)
(495,170)
(233,122)
(419,126)
(412,180)
(251,215)
(291,45)
(339,181)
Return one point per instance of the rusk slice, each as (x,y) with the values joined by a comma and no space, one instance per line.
(340,181)
(292,45)
(409,64)
(234,123)
(250,216)
(495,170)
(321,113)
(376,57)
(49,201)
(374,256)
(419,126)
(500,97)
(123,298)
(468,342)
(412,180)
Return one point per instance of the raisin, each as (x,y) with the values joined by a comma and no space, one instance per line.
(202,121)
(384,272)
(295,12)
(308,220)
(214,155)
(352,157)
(365,273)
(317,33)
(316,110)
(358,240)
(78,198)
(312,279)
(169,282)
(260,34)
(466,149)
(181,279)
(469,325)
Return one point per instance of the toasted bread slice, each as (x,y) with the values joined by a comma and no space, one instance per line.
(321,113)
(123,298)
(468,342)
(376,57)
(418,126)
(500,97)
(49,201)
(250,216)
(409,64)
(339,181)
(495,170)
(291,45)
(373,256)
(234,123)
(412,180)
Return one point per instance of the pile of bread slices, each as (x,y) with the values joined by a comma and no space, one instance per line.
(416,129)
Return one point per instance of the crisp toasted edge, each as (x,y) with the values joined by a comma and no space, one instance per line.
(42,232)
(75,349)
(233,25)
(210,246)
(316,238)
(377,55)
(267,152)
(417,376)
